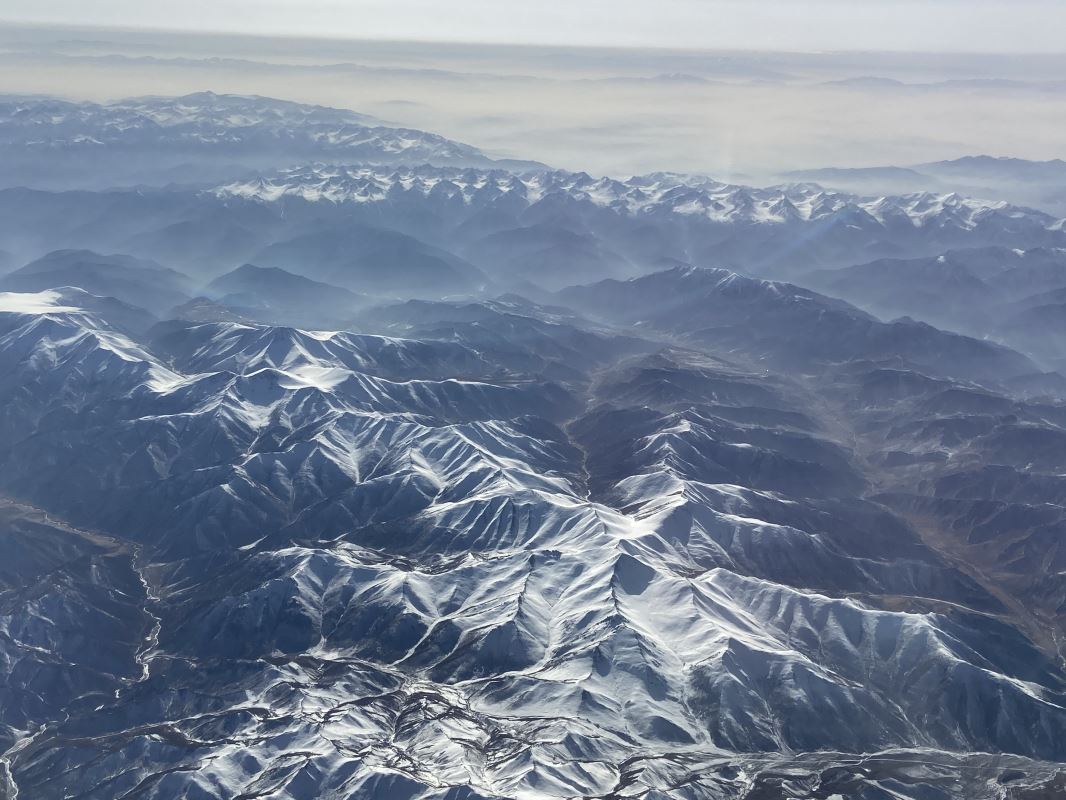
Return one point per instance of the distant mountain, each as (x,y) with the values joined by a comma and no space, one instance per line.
(274,295)
(867,82)
(1032,183)
(375,230)
(198,137)
(203,309)
(547,223)
(1020,170)
(371,260)
(1039,329)
(985,274)
(988,292)
(792,328)
(868,180)
(548,255)
(132,280)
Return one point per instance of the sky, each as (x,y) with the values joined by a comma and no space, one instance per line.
(994,26)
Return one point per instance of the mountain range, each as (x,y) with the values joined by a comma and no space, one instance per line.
(450,231)
(1010,295)
(469,481)
(59,144)
(1031,183)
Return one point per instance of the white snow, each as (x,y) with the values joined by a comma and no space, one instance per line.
(658,193)
(45,302)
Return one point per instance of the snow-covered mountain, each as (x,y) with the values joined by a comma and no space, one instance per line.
(430,562)
(547,221)
(141,283)
(644,195)
(426,231)
(432,477)
(52,142)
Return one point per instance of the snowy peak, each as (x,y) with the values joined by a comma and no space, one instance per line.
(692,197)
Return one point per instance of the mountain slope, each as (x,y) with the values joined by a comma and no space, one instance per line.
(374,261)
(986,292)
(361,564)
(277,296)
(787,326)
(130,280)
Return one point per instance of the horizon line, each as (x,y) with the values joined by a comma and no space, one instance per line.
(603,46)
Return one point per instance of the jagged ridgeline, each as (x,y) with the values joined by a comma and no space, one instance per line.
(458,480)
